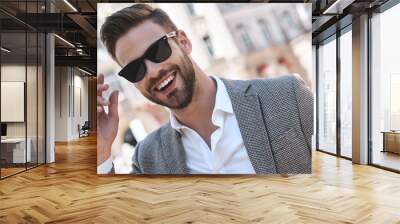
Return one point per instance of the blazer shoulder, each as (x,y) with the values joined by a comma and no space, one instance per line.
(153,139)
(278,82)
(148,151)
(147,156)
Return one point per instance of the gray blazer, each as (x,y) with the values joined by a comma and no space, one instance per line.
(275,118)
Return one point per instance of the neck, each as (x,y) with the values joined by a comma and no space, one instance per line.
(197,115)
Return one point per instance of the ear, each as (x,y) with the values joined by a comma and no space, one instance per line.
(184,42)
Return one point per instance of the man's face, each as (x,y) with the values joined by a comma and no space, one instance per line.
(169,83)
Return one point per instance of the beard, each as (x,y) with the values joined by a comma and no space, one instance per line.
(179,98)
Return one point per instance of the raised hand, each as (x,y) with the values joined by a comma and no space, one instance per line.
(107,123)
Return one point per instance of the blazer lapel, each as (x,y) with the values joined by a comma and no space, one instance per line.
(173,152)
(247,108)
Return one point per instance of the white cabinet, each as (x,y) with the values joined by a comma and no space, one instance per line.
(18,146)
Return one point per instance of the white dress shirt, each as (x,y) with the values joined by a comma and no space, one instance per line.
(228,154)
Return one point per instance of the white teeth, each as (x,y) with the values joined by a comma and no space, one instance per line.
(166,82)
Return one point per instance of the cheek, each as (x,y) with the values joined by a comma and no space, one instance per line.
(140,86)
(177,53)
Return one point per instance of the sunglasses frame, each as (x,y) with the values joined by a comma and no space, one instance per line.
(140,60)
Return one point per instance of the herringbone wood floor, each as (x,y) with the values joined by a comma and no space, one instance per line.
(69,191)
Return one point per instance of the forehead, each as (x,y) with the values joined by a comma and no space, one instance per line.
(135,42)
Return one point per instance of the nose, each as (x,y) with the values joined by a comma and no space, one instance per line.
(153,69)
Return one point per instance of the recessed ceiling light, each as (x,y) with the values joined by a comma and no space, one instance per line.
(337,7)
(84,71)
(70,5)
(64,40)
(5,50)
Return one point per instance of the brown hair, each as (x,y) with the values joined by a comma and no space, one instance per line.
(120,22)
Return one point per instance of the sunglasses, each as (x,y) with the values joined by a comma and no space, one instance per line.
(158,52)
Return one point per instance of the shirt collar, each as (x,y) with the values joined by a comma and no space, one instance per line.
(222,103)
(175,124)
(222,99)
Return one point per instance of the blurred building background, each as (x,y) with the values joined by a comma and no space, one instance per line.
(230,40)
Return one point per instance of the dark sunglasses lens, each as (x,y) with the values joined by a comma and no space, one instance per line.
(134,71)
(141,71)
(160,51)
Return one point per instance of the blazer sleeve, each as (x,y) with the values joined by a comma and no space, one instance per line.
(305,105)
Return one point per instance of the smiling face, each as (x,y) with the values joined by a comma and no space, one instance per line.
(169,83)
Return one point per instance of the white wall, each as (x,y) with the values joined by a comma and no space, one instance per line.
(61,103)
(33,126)
(16,73)
(314,90)
(79,117)
(69,85)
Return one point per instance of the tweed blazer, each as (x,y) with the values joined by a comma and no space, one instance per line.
(275,118)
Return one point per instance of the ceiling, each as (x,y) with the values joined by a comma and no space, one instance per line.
(75,21)
(332,15)
(72,20)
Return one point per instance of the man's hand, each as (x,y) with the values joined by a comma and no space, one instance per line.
(107,123)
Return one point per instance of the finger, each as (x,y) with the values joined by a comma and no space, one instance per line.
(100,109)
(101,88)
(100,79)
(113,108)
(101,101)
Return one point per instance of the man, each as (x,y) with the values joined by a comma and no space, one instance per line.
(216,125)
